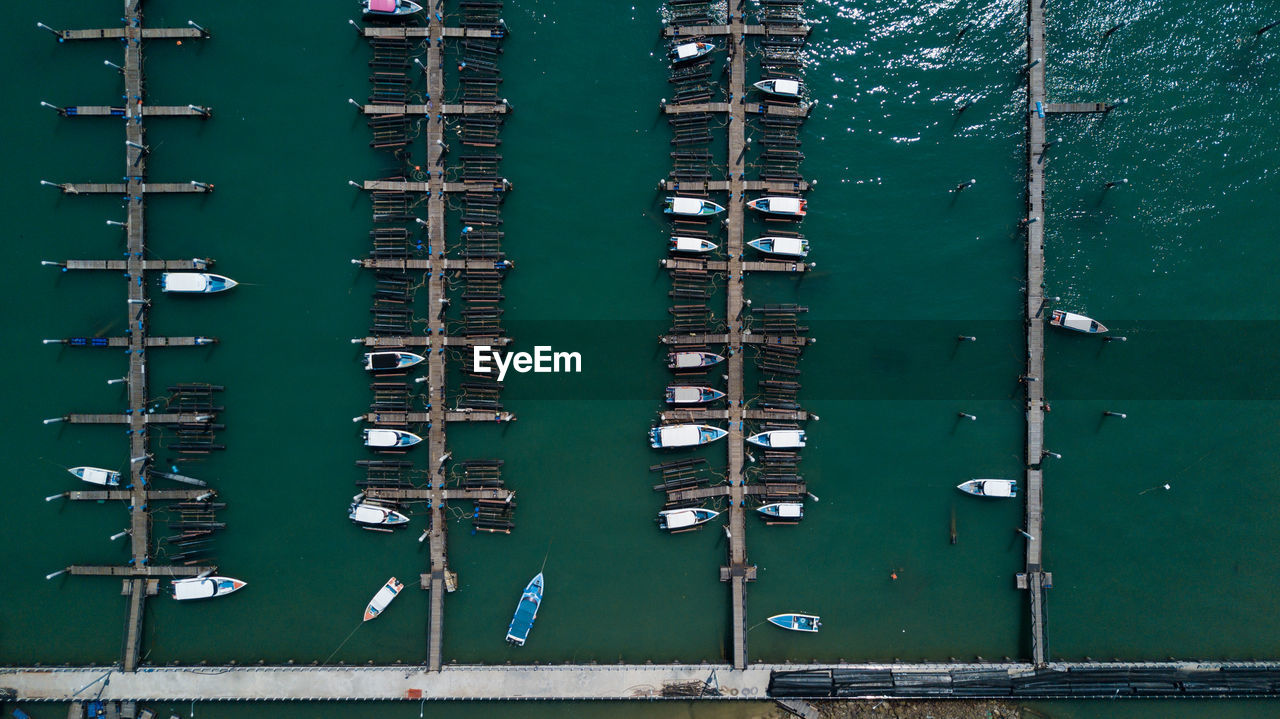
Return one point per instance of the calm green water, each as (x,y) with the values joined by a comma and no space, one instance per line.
(903,266)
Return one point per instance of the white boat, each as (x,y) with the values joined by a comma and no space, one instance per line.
(779,439)
(94,475)
(375,514)
(789,246)
(780,206)
(995,488)
(1073,321)
(684,435)
(780,87)
(691,207)
(691,244)
(785,511)
(384,596)
(195,282)
(691,360)
(797,622)
(390,438)
(682,394)
(390,360)
(676,520)
(686,52)
(205,587)
(390,8)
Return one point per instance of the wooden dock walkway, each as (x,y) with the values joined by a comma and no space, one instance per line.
(697,30)
(470,108)
(752,108)
(680,263)
(147,111)
(137,419)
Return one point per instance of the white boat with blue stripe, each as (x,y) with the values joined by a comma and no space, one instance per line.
(390,438)
(672,436)
(782,511)
(779,439)
(796,622)
(682,394)
(391,360)
(680,520)
(692,360)
(785,246)
(691,207)
(994,488)
(195,282)
(96,475)
(205,587)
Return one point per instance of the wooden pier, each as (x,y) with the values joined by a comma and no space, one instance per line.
(137,418)
(1035,580)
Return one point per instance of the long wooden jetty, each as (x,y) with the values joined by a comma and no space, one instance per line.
(137,417)
(1034,579)
(435,341)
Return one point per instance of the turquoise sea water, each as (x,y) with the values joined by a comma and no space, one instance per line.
(903,266)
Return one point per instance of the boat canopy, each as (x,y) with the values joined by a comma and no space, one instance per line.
(384,360)
(687,50)
(98,476)
(790,510)
(784,205)
(680,435)
(1080,323)
(997,487)
(382,5)
(683,395)
(381,437)
(686,206)
(786,87)
(185,282)
(681,519)
(788,245)
(688,359)
(203,588)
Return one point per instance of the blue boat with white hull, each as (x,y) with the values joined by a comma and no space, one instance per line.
(526,612)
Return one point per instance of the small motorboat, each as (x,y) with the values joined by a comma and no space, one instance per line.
(195,282)
(390,8)
(684,435)
(375,514)
(389,591)
(779,439)
(690,51)
(691,360)
(390,438)
(1073,321)
(780,87)
(526,612)
(780,206)
(682,394)
(796,622)
(676,520)
(691,207)
(205,587)
(691,244)
(390,361)
(94,475)
(785,511)
(789,246)
(995,488)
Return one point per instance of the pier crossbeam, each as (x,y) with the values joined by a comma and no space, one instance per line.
(127,32)
(152,341)
(1063,108)
(136,571)
(680,263)
(749,186)
(419,494)
(370,263)
(137,419)
(399,419)
(675,416)
(198,265)
(696,30)
(721,339)
(107,495)
(426,341)
(147,111)
(772,109)
(469,108)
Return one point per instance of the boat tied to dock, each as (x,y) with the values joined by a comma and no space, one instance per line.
(1078,323)
(681,520)
(195,282)
(396,9)
(390,361)
(797,622)
(994,488)
(785,246)
(96,475)
(691,207)
(390,438)
(779,439)
(205,587)
(780,87)
(692,360)
(684,435)
(782,511)
(780,206)
(681,394)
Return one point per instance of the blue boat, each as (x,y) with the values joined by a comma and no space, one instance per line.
(796,622)
(526,612)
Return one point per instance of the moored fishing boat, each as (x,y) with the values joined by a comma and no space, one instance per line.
(691,207)
(390,360)
(779,439)
(796,622)
(675,520)
(389,591)
(690,244)
(390,8)
(683,435)
(691,360)
(390,438)
(995,488)
(205,587)
(780,206)
(682,394)
(1073,321)
(195,282)
(780,87)
(689,51)
(95,475)
(526,612)
(789,246)
(786,511)
(375,514)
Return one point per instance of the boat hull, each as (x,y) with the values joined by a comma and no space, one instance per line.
(526,612)
(990,488)
(797,622)
(205,587)
(384,597)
